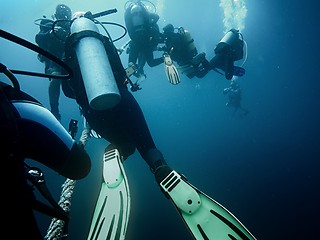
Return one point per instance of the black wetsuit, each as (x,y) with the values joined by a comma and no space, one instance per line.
(53,42)
(29,131)
(123,125)
(191,63)
(145,35)
(178,48)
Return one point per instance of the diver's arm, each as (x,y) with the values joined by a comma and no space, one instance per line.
(45,140)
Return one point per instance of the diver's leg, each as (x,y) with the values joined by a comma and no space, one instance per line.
(139,131)
(54,94)
(228,68)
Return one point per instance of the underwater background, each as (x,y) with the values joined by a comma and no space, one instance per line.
(263,167)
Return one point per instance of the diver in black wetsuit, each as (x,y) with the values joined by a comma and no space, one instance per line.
(30,131)
(227,51)
(124,124)
(53,42)
(181,48)
(145,35)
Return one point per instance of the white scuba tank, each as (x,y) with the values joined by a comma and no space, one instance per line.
(99,81)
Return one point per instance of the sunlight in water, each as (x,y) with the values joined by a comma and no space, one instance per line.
(235,12)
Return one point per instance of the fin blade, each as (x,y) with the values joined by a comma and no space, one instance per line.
(112,210)
(238,71)
(204,217)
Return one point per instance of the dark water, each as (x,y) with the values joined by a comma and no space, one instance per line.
(263,167)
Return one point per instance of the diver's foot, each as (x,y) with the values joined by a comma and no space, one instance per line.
(162,172)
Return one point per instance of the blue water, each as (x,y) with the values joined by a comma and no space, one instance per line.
(263,167)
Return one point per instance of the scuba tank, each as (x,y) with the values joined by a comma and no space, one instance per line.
(227,51)
(234,43)
(188,41)
(99,81)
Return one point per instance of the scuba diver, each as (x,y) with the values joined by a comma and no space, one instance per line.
(144,33)
(30,131)
(227,51)
(179,45)
(51,37)
(99,86)
(234,97)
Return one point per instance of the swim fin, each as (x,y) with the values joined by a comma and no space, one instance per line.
(238,71)
(204,217)
(112,210)
(171,70)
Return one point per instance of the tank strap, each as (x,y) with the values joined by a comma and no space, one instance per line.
(75,37)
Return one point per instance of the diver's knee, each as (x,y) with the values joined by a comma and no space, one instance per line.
(126,150)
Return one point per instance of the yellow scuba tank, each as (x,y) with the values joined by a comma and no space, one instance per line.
(188,41)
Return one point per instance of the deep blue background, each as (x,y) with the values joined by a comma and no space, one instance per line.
(264,167)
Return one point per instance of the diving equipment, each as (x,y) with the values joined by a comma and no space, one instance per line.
(238,71)
(233,39)
(227,51)
(112,210)
(197,67)
(188,41)
(97,74)
(131,69)
(204,217)
(171,70)
(123,47)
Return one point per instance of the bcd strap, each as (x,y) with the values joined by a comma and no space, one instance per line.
(75,37)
